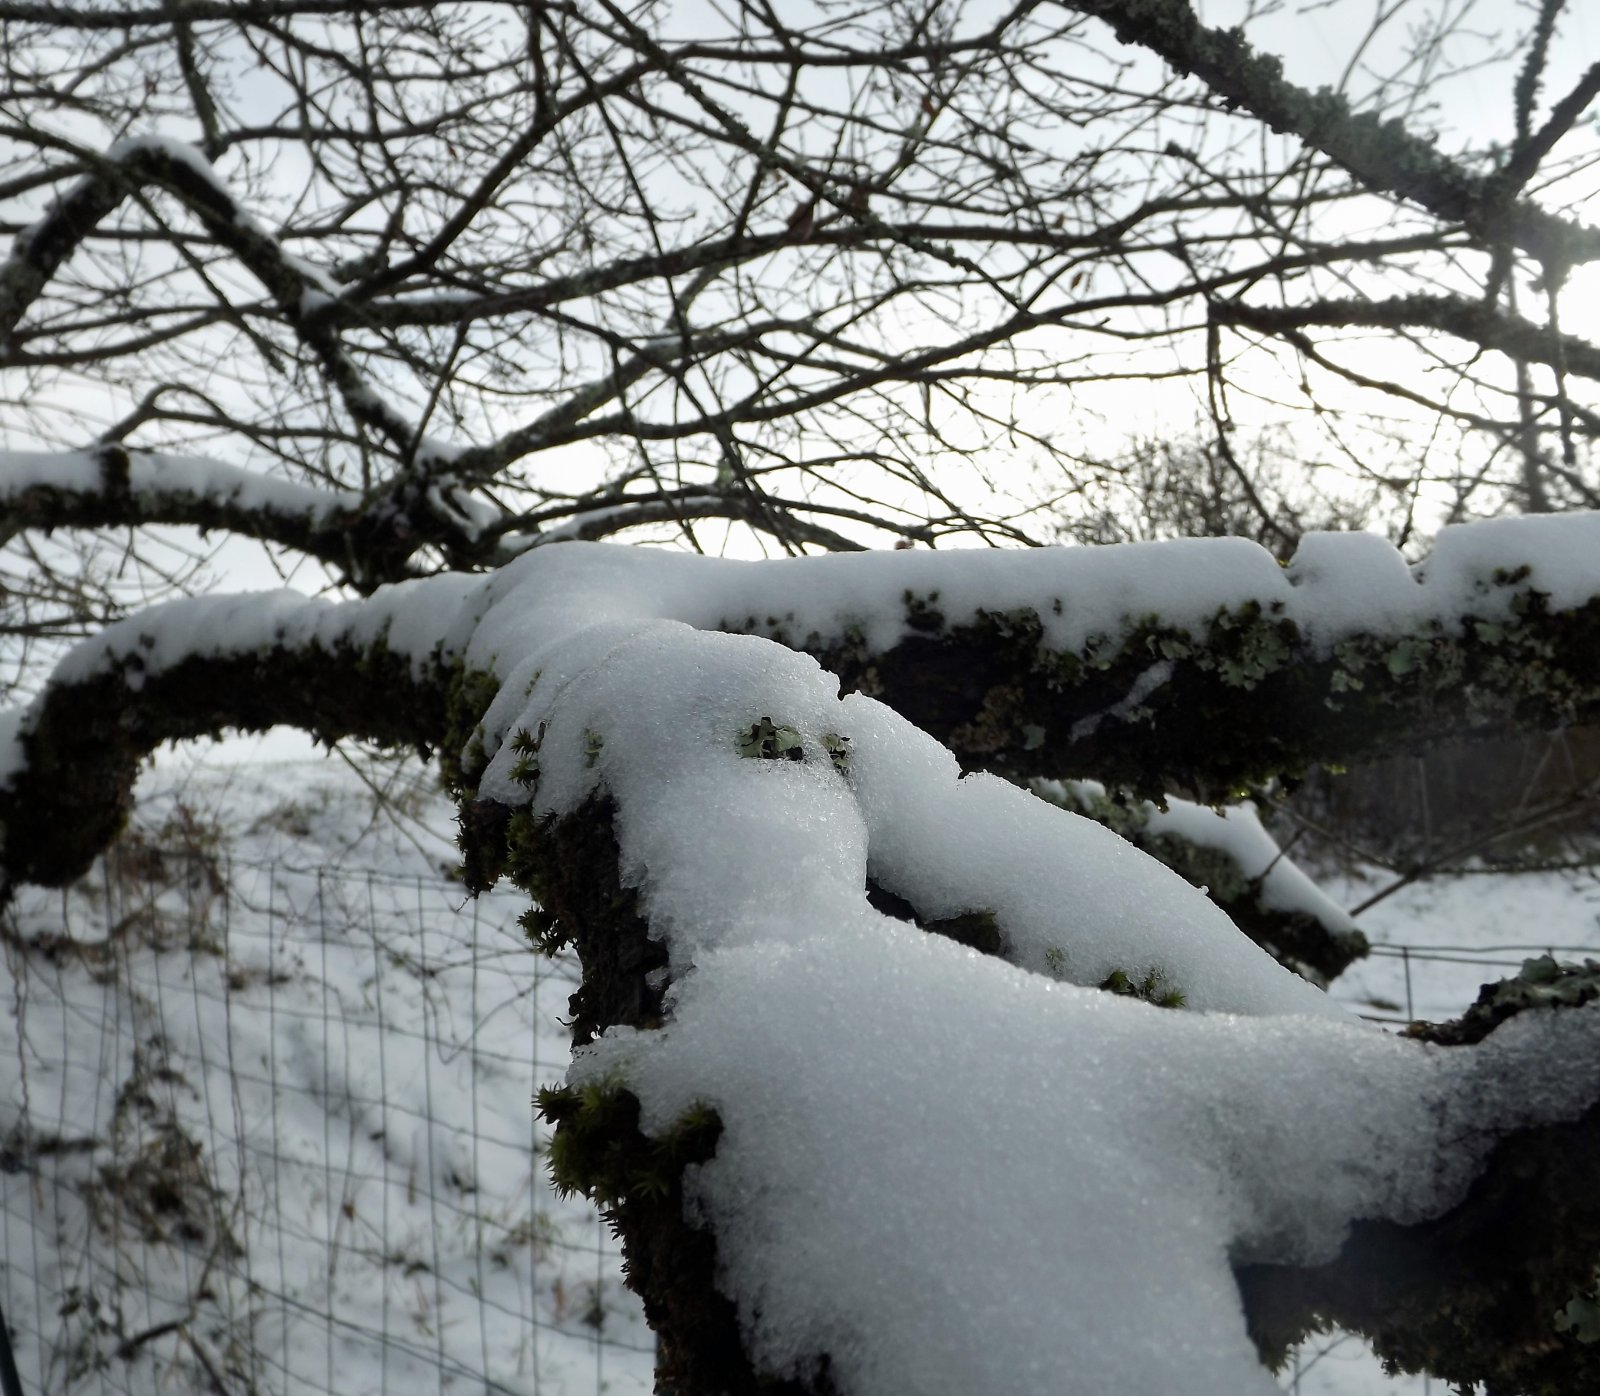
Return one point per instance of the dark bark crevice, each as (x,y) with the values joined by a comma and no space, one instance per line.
(1470,1297)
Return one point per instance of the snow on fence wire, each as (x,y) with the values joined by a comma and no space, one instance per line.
(268,1128)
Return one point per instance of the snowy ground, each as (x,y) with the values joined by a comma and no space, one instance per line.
(268,1127)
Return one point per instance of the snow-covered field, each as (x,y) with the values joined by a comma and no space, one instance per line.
(268,1127)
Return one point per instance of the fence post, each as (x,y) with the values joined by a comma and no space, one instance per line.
(10,1382)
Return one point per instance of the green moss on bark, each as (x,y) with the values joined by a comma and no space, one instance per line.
(1246,700)
(569,865)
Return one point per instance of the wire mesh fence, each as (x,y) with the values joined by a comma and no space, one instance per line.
(267,1128)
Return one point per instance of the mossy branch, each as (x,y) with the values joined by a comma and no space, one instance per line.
(1246,699)
(85,740)
(1383,153)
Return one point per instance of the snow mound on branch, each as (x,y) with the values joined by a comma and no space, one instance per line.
(653,712)
(1336,585)
(956,1177)
(1237,831)
(1071,898)
(892,1100)
(949,1172)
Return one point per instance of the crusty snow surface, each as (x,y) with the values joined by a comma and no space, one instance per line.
(954,1173)
(277,1153)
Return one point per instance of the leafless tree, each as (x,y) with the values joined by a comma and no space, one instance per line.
(480,275)
(417,289)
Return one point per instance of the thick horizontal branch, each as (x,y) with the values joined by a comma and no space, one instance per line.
(1474,1295)
(1471,320)
(1250,690)
(1200,665)
(78,750)
(369,540)
(1383,154)
(110,486)
(1235,862)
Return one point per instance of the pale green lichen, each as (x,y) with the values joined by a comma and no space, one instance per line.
(1544,981)
(838,749)
(768,741)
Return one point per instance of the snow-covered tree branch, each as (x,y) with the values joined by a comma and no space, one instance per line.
(826,900)
(916,908)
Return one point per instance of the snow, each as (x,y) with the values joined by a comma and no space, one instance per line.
(1558,552)
(224,625)
(62,470)
(153,474)
(354,1052)
(179,152)
(1072,899)
(1238,832)
(1008,1094)
(407,616)
(1338,585)
(1360,581)
(247,490)
(318,282)
(1162,1141)
(891,1099)
(453,500)
(609,517)
(954,1176)
(1127,706)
